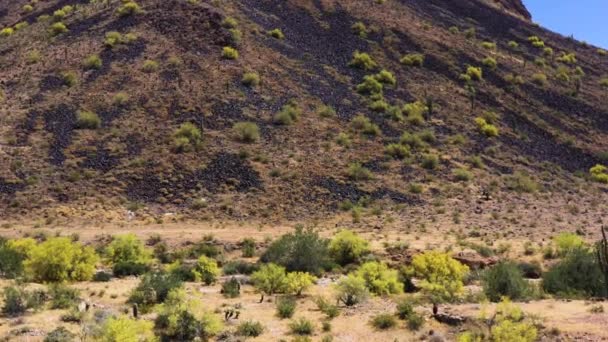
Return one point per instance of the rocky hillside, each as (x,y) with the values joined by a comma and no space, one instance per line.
(288,109)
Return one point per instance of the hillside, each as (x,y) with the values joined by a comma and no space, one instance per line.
(140,76)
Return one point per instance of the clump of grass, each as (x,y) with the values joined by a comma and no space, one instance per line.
(363,124)
(462,175)
(397,151)
(187,137)
(521,182)
(286,307)
(384,321)
(363,61)
(288,114)
(120,99)
(250,329)
(247,132)
(301,326)
(276,33)
(413,59)
(358,172)
(250,79)
(230,53)
(87,120)
(430,161)
(92,62)
(326,111)
(34,57)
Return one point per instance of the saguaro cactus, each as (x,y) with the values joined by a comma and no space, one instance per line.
(602,256)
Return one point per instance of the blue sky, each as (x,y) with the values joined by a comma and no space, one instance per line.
(586,19)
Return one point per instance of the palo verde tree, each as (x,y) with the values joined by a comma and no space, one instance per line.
(269,279)
(128,255)
(60,259)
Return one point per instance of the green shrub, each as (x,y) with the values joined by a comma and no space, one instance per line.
(504,280)
(330,310)
(229,22)
(246,132)
(413,59)
(298,282)
(153,288)
(59,259)
(370,86)
(363,61)
(486,128)
(69,78)
(462,174)
(286,307)
(187,137)
(548,52)
(92,62)
(301,326)
(415,112)
(362,123)
(577,275)
(414,141)
(490,63)
(7,32)
(416,188)
(540,79)
(303,250)
(231,288)
(488,45)
(206,270)
(379,278)
(15,301)
(415,322)
(359,29)
(404,308)
(251,79)
(599,173)
(430,161)
(34,57)
(470,33)
(27,8)
(384,321)
(21,25)
(239,267)
(250,329)
(347,247)
(521,182)
(12,255)
(230,53)
(248,247)
(358,172)
(397,151)
(128,8)
(288,114)
(58,28)
(441,277)
(454,30)
(123,328)
(351,290)
(63,297)
(128,255)
(386,77)
(567,58)
(149,66)
(60,334)
(475,73)
(113,39)
(276,33)
(269,279)
(567,242)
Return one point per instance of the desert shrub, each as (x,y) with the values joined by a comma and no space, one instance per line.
(286,306)
(187,137)
(474,73)
(530,269)
(239,267)
(7,32)
(113,39)
(397,151)
(413,59)
(363,61)
(454,30)
(504,280)
(326,111)
(521,182)
(404,308)
(415,112)
(509,325)
(206,270)
(414,141)
(248,247)
(102,276)
(470,33)
(488,45)
(153,288)
(301,326)
(63,297)
(363,124)
(540,79)
(330,310)
(348,247)
(231,288)
(21,25)
(359,29)
(247,132)
(441,277)
(60,334)
(430,161)
(604,83)
(150,66)
(125,329)
(514,79)
(276,33)
(490,63)
(12,255)
(229,22)
(15,301)
(370,86)
(69,78)
(567,242)
(59,259)
(578,274)
(462,174)
(92,62)
(599,173)
(298,282)
(33,57)
(289,113)
(485,128)
(415,322)
(58,28)
(128,255)
(230,53)
(386,77)
(358,172)
(303,250)
(567,58)
(351,290)
(87,120)
(379,278)
(269,279)
(250,79)
(250,329)
(128,8)
(383,321)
